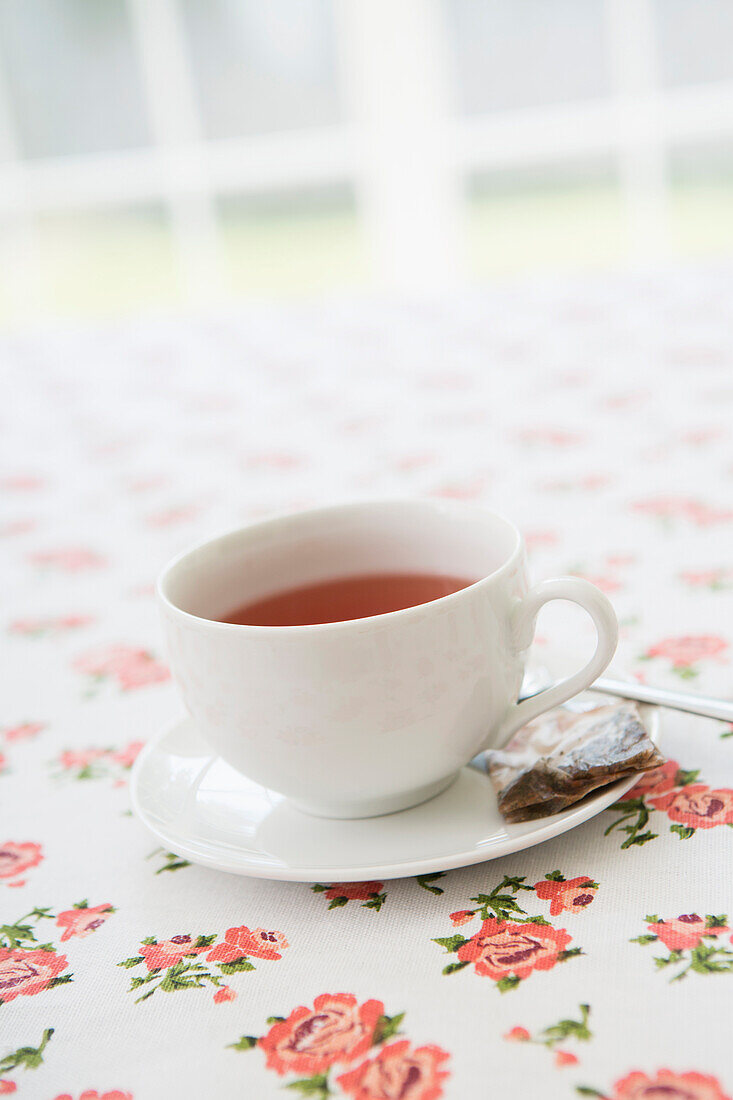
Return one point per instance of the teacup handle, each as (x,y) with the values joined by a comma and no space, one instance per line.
(524,616)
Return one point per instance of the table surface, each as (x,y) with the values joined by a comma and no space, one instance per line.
(597,414)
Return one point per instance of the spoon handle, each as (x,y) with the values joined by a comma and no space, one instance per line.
(664,697)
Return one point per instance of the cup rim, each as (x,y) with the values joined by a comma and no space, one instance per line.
(282,518)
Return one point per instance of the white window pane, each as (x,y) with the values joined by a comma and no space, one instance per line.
(701,198)
(703,161)
(568,217)
(262,66)
(695,40)
(72,76)
(292,244)
(524,53)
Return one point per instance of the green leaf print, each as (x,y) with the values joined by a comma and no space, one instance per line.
(683,831)
(27,1057)
(235,966)
(505,984)
(245,1042)
(453,968)
(426,882)
(387,1027)
(451,943)
(634,816)
(316,1087)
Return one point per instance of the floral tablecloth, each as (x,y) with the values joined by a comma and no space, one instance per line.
(598,415)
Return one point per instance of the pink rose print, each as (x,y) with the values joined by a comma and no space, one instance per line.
(604,581)
(24,731)
(398,1070)
(23,483)
(274,460)
(128,666)
(72,560)
(621,559)
(142,590)
(83,920)
(16,859)
(550,437)
(666,507)
(684,932)
(671,507)
(139,671)
(714,579)
(336,1030)
(38,627)
(406,463)
(226,993)
(126,757)
(239,942)
(671,1086)
(145,484)
(622,401)
(71,759)
(684,652)
(696,806)
(570,896)
(371,894)
(25,973)
(689,933)
(171,516)
(698,436)
(557,1033)
(510,944)
(11,734)
(706,516)
(21,732)
(99,763)
(6,1087)
(588,483)
(500,950)
(689,805)
(17,527)
(159,956)
(470,489)
(175,964)
(92,1094)
(654,782)
(534,539)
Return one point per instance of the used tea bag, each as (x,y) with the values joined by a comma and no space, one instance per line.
(559,758)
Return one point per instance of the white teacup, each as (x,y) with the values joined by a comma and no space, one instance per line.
(368,716)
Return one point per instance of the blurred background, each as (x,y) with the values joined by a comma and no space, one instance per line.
(158,153)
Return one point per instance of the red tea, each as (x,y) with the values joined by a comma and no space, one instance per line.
(336,601)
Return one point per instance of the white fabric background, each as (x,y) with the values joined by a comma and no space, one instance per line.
(564,405)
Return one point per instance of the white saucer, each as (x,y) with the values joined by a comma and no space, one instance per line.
(207,812)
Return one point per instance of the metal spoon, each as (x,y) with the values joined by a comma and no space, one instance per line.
(538,678)
(664,697)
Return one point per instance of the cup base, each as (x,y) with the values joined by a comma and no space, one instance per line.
(375,807)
